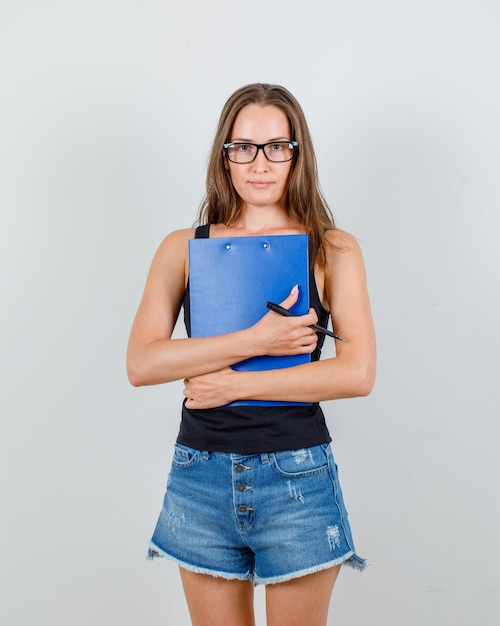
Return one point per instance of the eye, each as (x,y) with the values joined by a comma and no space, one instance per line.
(243,147)
(278,147)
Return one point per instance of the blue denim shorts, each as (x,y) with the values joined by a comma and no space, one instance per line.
(263,517)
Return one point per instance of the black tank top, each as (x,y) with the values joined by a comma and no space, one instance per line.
(255,429)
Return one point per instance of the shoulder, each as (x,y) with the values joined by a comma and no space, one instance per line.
(172,253)
(179,237)
(176,241)
(340,241)
(343,257)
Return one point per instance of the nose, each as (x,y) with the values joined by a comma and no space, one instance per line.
(260,162)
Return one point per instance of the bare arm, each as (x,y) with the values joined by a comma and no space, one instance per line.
(153,357)
(350,373)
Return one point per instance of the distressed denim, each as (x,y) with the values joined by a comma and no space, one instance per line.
(262,517)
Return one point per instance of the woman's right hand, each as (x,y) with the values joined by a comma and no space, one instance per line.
(275,335)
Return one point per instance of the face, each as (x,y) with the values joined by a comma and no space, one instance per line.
(261,183)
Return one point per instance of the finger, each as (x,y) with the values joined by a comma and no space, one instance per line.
(310,340)
(308,318)
(314,314)
(291,299)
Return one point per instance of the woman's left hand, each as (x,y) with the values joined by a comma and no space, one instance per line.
(210,390)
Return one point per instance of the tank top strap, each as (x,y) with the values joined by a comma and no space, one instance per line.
(202,232)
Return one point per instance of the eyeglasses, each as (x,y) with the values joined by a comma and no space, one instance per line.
(275,151)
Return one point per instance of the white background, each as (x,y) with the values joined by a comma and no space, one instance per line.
(107,113)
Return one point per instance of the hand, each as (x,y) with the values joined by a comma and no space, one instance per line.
(276,335)
(210,390)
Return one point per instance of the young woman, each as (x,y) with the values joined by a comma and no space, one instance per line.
(253,494)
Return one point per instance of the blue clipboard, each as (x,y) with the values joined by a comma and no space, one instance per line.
(232,279)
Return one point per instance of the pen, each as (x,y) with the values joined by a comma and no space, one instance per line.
(286,313)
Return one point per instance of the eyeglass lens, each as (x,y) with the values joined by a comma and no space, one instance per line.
(246,152)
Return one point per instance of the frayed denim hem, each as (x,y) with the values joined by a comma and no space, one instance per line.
(154,553)
(350,559)
(356,562)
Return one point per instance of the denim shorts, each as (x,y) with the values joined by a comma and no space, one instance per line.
(262,517)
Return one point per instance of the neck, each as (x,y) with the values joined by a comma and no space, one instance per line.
(260,220)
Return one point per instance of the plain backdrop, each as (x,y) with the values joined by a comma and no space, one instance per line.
(107,113)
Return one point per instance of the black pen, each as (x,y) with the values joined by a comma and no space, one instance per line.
(286,313)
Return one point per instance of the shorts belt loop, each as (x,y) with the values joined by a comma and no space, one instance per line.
(205,455)
(264,457)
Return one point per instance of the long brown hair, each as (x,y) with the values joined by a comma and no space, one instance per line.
(304,200)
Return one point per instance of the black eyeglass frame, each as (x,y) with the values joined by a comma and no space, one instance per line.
(259,146)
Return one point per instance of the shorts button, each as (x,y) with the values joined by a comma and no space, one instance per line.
(239,468)
(243,508)
(241,487)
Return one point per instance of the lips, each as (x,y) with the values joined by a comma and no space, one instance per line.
(260,184)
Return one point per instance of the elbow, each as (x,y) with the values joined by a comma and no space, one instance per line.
(364,389)
(365,380)
(136,374)
(360,382)
(134,377)
(142,373)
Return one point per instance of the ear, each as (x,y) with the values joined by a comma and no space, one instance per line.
(226,161)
